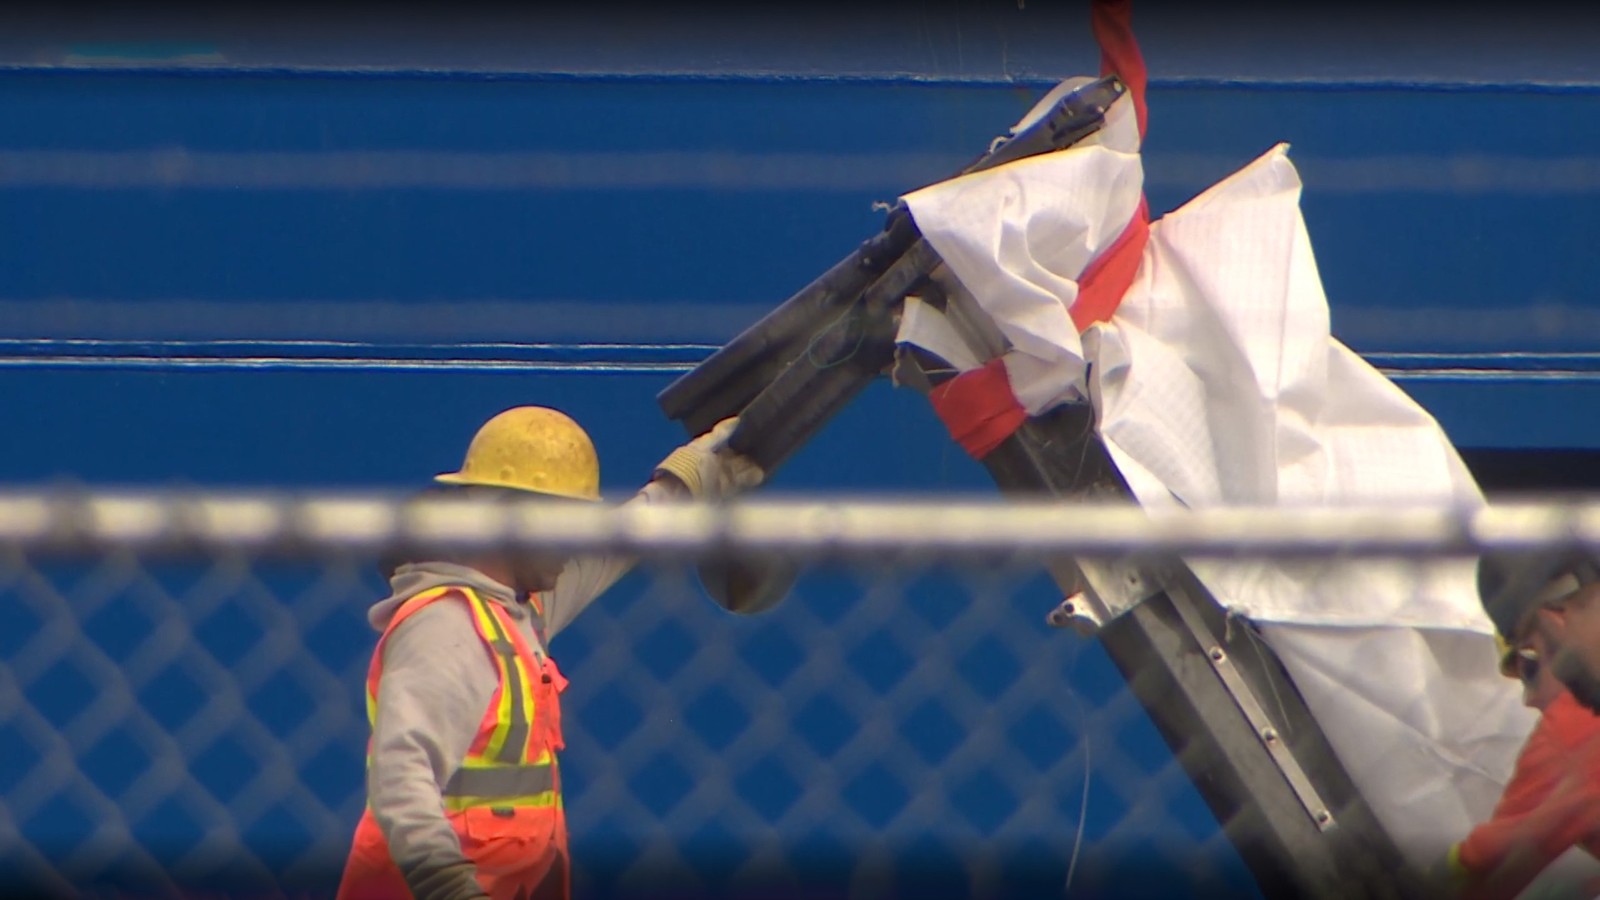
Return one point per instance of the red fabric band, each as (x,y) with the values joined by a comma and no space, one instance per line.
(1109,275)
(1112,21)
(978,408)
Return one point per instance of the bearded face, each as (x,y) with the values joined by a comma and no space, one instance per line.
(1571,630)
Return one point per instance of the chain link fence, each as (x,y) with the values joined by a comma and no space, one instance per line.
(181,710)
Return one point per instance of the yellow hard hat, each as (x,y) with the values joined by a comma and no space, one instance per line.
(531,448)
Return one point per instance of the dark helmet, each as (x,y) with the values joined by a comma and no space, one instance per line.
(1514,583)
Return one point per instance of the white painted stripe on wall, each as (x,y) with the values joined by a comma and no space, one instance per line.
(366,170)
(514,321)
(303,363)
(616,367)
(379,170)
(1526,325)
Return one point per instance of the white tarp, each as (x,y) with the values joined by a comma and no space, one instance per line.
(1218,383)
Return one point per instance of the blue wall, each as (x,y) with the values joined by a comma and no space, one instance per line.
(296,281)
(644,213)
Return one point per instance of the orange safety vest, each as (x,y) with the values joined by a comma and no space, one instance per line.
(504,800)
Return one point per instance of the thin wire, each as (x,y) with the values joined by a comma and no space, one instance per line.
(1088,769)
(1255,641)
(811,345)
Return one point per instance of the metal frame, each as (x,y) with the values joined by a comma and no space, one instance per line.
(1274,782)
(1276,786)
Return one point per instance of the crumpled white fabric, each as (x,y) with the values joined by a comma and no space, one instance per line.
(1218,383)
(1418,716)
(1018,237)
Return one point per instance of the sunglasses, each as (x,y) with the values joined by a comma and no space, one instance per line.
(1526,661)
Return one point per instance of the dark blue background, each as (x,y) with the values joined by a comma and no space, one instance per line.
(114,413)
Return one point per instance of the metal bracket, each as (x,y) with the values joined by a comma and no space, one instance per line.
(1097,591)
(1255,714)
(1077,613)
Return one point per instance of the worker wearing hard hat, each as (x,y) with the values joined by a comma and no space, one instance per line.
(1557,596)
(1565,729)
(463,785)
(1544,611)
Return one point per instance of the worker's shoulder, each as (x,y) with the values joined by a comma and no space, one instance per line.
(434,635)
(1566,726)
(449,608)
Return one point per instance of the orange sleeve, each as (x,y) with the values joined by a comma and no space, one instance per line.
(1551,804)
(1112,21)
(1569,816)
(1539,767)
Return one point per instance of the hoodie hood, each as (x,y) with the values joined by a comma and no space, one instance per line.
(413,578)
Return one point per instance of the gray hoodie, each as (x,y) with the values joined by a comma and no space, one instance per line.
(436,684)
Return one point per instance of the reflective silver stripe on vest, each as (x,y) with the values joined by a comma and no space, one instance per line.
(511,752)
(511,781)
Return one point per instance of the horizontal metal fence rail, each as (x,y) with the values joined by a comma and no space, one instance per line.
(959,529)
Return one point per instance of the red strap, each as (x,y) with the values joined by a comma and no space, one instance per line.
(979,408)
(1119,52)
(1108,276)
